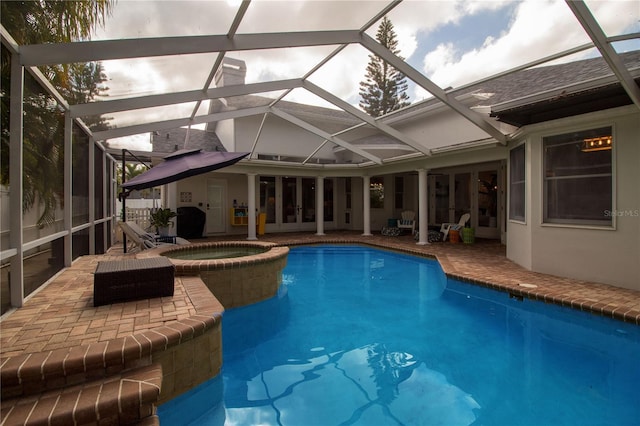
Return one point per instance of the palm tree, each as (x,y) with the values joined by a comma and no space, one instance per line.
(36,22)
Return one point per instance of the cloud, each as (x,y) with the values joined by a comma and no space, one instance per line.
(538,29)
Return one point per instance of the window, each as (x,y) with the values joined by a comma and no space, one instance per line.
(268,197)
(399,192)
(578,181)
(517,183)
(376,192)
(328,200)
(347,192)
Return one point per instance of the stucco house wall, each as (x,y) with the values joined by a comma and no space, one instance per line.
(602,254)
(278,137)
(225,130)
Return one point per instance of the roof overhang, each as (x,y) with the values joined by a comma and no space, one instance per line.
(566,103)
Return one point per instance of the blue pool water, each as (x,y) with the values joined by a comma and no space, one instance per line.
(359,336)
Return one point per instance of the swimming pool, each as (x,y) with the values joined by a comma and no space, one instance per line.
(358,335)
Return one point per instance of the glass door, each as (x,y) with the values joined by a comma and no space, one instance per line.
(441,199)
(476,190)
(461,196)
(268,197)
(328,201)
(308,200)
(290,205)
(298,203)
(487,212)
(451,197)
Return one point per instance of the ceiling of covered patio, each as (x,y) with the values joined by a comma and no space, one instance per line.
(161,59)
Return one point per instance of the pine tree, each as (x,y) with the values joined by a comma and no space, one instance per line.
(385,88)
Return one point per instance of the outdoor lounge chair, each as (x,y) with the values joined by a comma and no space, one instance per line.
(154,238)
(138,242)
(446,227)
(407,221)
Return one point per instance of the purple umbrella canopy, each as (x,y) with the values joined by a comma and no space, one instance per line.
(183,164)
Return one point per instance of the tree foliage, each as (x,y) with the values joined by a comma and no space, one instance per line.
(85,83)
(384,88)
(37,22)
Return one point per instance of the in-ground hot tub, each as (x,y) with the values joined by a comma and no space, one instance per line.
(238,273)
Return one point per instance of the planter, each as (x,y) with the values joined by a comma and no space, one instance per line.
(468,235)
(164,231)
(454,236)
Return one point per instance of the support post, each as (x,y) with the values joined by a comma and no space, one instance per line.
(366,205)
(423,218)
(92,197)
(68,189)
(251,206)
(320,205)
(16,123)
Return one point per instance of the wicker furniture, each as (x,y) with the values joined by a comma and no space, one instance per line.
(132,279)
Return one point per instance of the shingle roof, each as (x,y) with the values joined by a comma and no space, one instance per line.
(541,79)
(506,88)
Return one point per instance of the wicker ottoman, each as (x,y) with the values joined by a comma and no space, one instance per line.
(132,279)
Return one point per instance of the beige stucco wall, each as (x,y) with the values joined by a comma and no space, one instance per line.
(278,137)
(609,255)
(225,130)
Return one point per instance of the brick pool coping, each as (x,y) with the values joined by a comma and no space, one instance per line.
(60,348)
(271,252)
(58,330)
(485,264)
(235,281)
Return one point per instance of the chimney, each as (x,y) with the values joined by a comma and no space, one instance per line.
(231,73)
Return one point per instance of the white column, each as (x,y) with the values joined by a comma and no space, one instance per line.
(319,205)
(68,189)
(423,211)
(106,180)
(251,206)
(92,197)
(171,200)
(16,122)
(366,205)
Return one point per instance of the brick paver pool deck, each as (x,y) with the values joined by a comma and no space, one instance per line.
(62,315)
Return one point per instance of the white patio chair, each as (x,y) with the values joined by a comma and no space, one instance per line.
(446,227)
(150,239)
(407,221)
(134,241)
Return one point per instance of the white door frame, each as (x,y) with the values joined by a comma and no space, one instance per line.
(474,170)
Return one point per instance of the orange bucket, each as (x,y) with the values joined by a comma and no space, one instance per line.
(454,236)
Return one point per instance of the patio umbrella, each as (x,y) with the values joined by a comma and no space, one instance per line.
(182,164)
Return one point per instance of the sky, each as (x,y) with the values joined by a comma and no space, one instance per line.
(451,42)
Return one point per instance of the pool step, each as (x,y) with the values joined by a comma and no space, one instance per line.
(126,399)
(37,372)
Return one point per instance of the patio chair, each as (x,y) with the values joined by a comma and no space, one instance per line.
(154,238)
(446,227)
(137,242)
(134,241)
(407,221)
